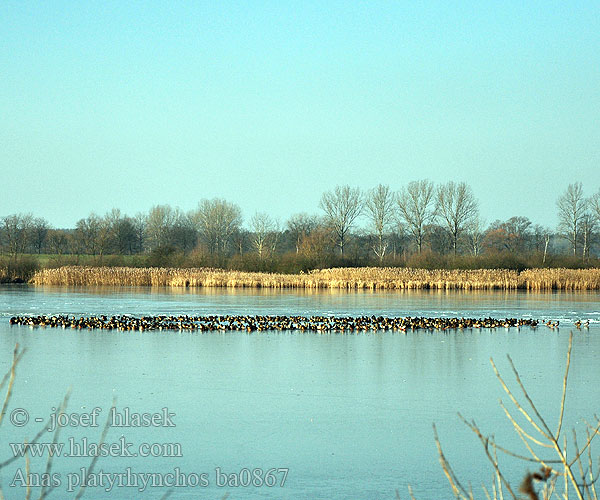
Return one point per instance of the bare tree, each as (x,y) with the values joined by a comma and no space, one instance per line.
(300,226)
(125,236)
(438,238)
(139,224)
(159,223)
(571,209)
(58,241)
(381,211)
(341,207)
(183,234)
(217,221)
(266,234)
(588,229)
(594,217)
(113,217)
(241,240)
(39,232)
(318,245)
(594,205)
(417,210)
(457,207)
(541,240)
(399,239)
(110,223)
(475,234)
(16,229)
(512,235)
(86,233)
(105,234)
(546,241)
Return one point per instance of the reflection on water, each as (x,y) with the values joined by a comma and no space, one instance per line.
(349,415)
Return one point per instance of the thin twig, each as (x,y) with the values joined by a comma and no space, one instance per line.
(7,374)
(516,403)
(16,357)
(42,431)
(95,459)
(521,430)
(59,412)
(591,467)
(564,390)
(588,442)
(486,441)
(578,461)
(528,398)
(410,492)
(27,467)
(457,488)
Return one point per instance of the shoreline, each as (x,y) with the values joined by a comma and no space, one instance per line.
(365,278)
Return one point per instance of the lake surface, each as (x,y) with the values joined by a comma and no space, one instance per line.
(348,416)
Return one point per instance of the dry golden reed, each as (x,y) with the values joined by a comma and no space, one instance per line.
(561,279)
(371,278)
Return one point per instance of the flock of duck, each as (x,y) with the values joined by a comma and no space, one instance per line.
(319,324)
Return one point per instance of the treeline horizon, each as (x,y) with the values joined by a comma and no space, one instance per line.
(421,225)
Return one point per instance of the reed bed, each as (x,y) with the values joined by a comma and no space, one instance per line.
(370,278)
(561,279)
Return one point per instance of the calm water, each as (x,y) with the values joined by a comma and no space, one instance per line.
(350,416)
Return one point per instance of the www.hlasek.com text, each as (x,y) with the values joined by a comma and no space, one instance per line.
(83,478)
(84,447)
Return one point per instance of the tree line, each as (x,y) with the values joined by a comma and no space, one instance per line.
(417,222)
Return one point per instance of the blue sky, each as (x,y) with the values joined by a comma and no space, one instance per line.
(268,103)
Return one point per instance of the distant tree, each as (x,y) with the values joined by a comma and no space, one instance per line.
(183,234)
(588,234)
(380,208)
(159,223)
(265,234)
(457,208)
(125,236)
(105,235)
(38,233)
(58,241)
(86,233)
(571,210)
(341,206)
(16,231)
(217,221)
(300,226)
(139,224)
(438,238)
(110,224)
(318,245)
(538,237)
(594,210)
(241,240)
(594,205)
(475,235)
(399,240)
(113,217)
(519,229)
(417,209)
(512,235)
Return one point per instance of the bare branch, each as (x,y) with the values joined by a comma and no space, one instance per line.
(564,390)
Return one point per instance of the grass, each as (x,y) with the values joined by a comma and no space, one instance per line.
(368,278)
